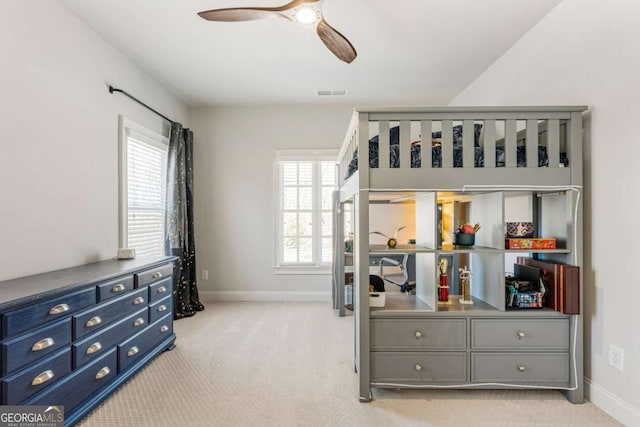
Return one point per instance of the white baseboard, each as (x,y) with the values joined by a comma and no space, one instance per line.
(264,296)
(619,409)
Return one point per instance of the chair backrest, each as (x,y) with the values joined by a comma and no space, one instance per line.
(409,264)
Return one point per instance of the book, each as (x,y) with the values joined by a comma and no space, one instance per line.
(546,243)
(563,284)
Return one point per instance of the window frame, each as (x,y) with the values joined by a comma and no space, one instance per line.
(311,155)
(129,128)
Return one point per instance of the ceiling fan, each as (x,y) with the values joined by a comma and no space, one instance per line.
(307,12)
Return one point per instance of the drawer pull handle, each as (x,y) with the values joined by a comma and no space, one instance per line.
(418,334)
(133,351)
(42,344)
(43,378)
(103,373)
(96,320)
(96,346)
(156,275)
(139,321)
(162,289)
(138,301)
(164,328)
(521,368)
(118,288)
(162,308)
(521,335)
(418,367)
(60,308)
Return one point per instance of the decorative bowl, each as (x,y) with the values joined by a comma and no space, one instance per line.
(520,229)
(461,239)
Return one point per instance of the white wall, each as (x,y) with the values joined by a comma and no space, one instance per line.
(59,139)
(234,195)
(586,52)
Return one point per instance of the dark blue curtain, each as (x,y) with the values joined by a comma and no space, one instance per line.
(180,239)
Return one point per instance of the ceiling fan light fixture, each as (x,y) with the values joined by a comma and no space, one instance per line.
(306,15)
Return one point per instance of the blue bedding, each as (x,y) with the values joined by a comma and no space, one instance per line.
(436,152)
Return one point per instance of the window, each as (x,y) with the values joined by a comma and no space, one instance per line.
(305,182)
(143,164)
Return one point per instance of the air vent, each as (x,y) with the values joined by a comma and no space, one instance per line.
(339,92)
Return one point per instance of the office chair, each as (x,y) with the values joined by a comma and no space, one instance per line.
(406,277)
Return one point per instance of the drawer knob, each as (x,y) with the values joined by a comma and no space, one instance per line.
(118,288)
(418,367)
(164,328)
(418,334)
(138,301)
(162,289)
(57,309)
(157,275)
(96,320)
(521,368)
(139,321)
(103,373)
(42,344)
(43,377)
(521,335)
(133,351)
(162,308)
(96,346)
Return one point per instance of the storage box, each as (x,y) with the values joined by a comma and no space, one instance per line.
(377,299)
(545,243)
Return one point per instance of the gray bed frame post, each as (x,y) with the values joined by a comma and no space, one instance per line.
(574,149)
(361,260)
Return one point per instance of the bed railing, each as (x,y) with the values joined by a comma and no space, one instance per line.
(462,139)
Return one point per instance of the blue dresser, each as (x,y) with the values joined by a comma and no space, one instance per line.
(71,337)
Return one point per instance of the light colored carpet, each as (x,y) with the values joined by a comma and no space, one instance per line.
(291,364)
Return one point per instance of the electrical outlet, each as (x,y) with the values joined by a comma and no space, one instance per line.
(616,357)
(205,275)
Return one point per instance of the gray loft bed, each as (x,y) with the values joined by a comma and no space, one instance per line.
(520,137)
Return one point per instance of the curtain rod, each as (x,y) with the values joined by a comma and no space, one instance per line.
(113,89)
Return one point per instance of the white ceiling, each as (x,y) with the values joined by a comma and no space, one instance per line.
(410,52)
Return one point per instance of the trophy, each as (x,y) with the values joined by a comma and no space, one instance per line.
(465,285)
(443,288)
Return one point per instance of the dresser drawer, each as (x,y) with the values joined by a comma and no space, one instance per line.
(148,277)
(30,347)
(137,346)
(98,317)
(418,334)
(161,289)
(418,367)
(520,334)
(521,368)
(32,380)
(102,341)
(75,388)
(115,288)
(161,308)
(23,319)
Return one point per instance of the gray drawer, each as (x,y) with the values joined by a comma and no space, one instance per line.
(418,367)
(115,288)
(23,319)
(102,341)
(160,289)
(138,345)
(418,334)
(75,388)
(521,368)
(98,317)
(161,308)
(30,347)
(153,275)
(30,381)
(520,334)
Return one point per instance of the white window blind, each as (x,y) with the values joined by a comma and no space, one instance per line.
(305,219)
(143,181)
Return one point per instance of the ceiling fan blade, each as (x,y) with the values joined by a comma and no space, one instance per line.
(336,42)
(235,14)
